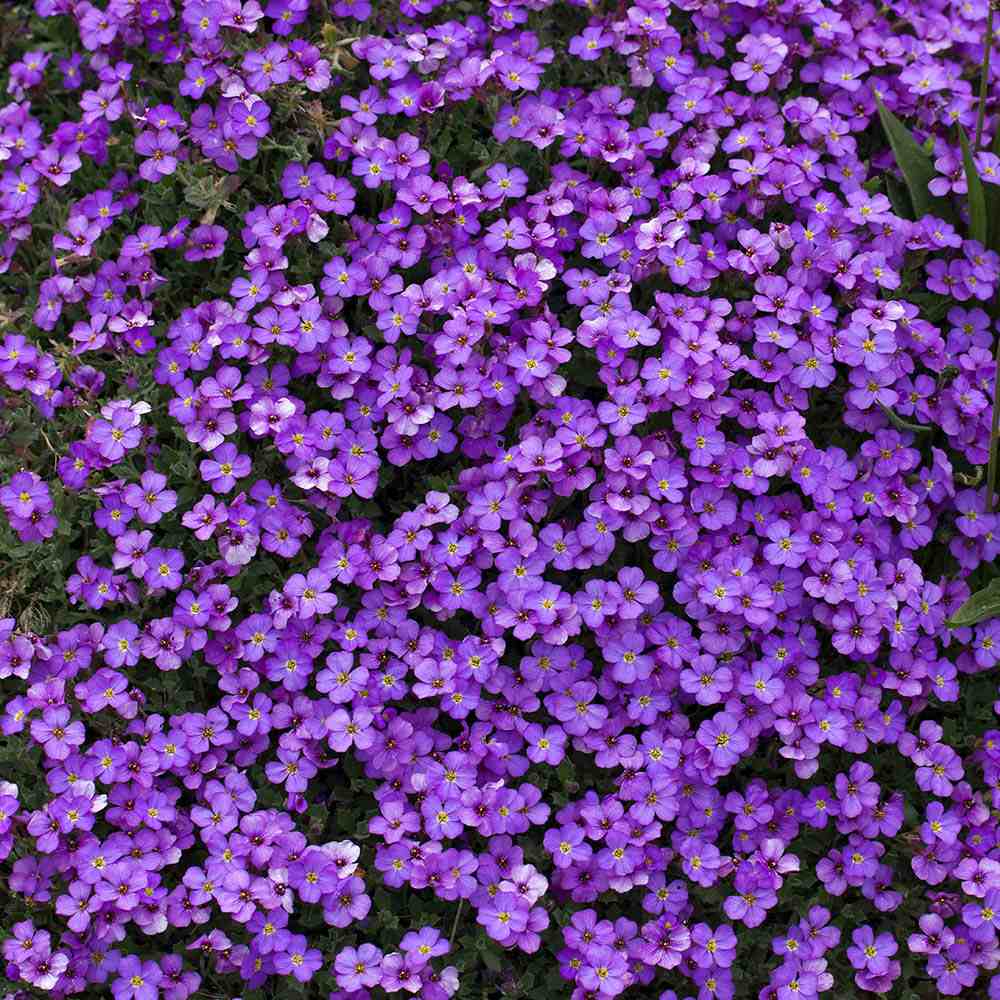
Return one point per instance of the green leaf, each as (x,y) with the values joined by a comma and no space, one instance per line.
(992,195)
(980,607)
(915,163)
(978,220)
(898,198)
(492,961)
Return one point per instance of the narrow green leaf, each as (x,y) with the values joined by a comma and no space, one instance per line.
(896,192)
(984,76)
(915,163)
(992,194)
(978,221)
(980,607)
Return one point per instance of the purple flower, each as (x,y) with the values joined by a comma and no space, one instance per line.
(160,149)
(136,979)
(205,243)
(56,733)
(503,916)
(149,498)
(871,953)
(356,968)
(225,468)
(724,740)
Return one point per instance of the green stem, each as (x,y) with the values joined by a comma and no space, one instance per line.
(454,925)
(984,78)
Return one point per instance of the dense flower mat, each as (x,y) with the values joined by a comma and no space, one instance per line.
(484,488)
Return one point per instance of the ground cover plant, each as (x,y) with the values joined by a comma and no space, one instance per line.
(498,499)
